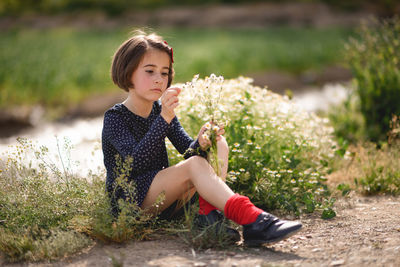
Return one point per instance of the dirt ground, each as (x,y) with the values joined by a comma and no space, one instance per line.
(365,232)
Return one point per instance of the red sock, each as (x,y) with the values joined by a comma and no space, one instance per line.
(204,207)
(239,209)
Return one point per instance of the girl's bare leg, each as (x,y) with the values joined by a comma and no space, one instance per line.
(194,173)
(223,153)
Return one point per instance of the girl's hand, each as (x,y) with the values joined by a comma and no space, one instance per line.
(169,101)
(204,141)
(203,138)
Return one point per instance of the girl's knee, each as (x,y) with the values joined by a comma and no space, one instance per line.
(197,164)
(196,161)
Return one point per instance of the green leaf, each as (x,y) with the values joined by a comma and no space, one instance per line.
(328,213)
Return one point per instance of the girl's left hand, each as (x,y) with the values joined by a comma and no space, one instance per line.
(204,141)
(221,131)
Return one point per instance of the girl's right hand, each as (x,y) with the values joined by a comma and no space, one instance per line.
(169,101)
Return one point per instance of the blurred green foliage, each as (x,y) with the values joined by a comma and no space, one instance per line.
(374,59)
(62,66)
(347,120)
(115,7)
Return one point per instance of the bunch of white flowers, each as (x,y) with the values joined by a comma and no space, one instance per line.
(207,94)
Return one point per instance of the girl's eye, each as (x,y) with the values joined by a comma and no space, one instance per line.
(149,71)
(164,74)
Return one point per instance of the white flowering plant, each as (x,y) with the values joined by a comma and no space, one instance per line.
(207,93)
(279,154)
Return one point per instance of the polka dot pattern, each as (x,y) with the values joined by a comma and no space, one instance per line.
(127,134)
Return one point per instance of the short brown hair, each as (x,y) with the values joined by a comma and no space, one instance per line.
(128,56)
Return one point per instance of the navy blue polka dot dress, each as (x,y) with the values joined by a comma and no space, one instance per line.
(126,134)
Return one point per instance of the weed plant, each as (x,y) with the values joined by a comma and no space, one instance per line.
(279,154)
(211,236)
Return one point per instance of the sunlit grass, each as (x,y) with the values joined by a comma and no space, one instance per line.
(369,170)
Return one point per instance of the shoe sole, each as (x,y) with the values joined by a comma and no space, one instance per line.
(259,242)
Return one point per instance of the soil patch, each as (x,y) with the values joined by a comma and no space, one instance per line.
(366,232)
(279,82)
(252,15)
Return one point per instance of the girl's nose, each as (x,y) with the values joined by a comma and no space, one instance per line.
(158,78)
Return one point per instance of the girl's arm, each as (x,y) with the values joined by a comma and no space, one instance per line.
(183,142)
(179,138)
(117,132)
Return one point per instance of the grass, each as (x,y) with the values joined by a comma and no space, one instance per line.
(59,67)
(237,52)
(369,170)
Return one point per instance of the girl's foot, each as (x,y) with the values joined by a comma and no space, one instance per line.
(268,229)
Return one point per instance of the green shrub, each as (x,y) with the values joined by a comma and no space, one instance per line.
(374,59)
(279,154)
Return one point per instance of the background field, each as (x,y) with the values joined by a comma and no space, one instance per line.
(57,67)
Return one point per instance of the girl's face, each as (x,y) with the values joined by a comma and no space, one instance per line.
(150,78)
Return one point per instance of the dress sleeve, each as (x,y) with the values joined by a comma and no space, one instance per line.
(117,132)
(183,142)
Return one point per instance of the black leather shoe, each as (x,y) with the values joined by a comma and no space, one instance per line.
(268,229)
(216,218)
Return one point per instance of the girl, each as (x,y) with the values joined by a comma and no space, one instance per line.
(136,129)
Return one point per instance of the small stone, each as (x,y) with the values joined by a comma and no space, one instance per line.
(337,263)
(200,264)
(316,249)
(193,253)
